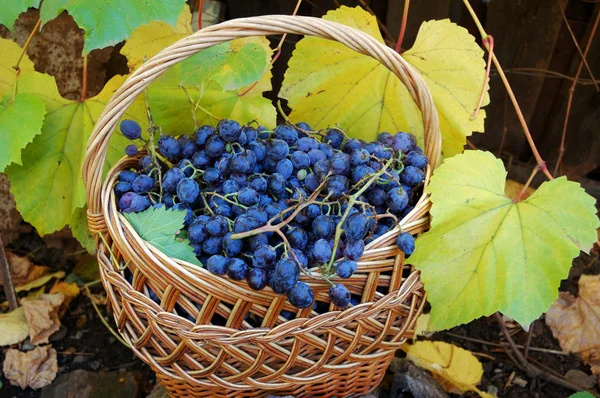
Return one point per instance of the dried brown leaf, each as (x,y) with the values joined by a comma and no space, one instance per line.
(22,270)
(42,316)
(575,322)
(35,369)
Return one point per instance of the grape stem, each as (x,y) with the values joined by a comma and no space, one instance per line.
(227,200)
(351,202)
(16,67)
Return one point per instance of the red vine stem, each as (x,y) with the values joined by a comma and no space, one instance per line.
(541,163)
(200,9)
(524,189)
(84,79)
(562,149)
(403,25)
(582,54)
(278,50)
(488,41)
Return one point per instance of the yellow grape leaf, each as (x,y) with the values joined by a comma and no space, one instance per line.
(9,54)
(48,187)
(456,369)
(147,40)
(13,327)
(69,291)
(40,281)
(328,84)
(485,253)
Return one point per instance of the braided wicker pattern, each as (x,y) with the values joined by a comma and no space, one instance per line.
(337,353)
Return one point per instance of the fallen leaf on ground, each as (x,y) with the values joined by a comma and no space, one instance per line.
(35,369)
(42,316)
(13,327)
(421,326)
(39,281)
(456,369)
(581,378)
(22,270)
(575,322)
(69,290)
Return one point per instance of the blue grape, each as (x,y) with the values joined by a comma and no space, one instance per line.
(258,183)
(322,251)
(323,227)
(237,269)
(352,145)
(276,183)
(168,147)
(258,214)
(125,200)
(211,176)
(230,186)
(311,182)
(257,278)
(264,256)
(297,237)
(187,147)
(402,142)
(250,132)
(232,247)
(304,126)
(412,176)
(359,157)
(259,149)
(201,159)
(139,203)
(313,211)
(300,160)
(186,167)
(121,188)
(284,276)
(406,243)
(334,137)
(321,168)
(337,186)
(356,227)
(376,196)
(197,231)
(203,133)
(171,178)
(187,190)
(354,250)
(286,133)
(229,130)
(239,163)
(212,245)
(301,295)
(340,163)
(130,129)
(248,196)
(217,226)
(345,268)
(214,146)
(278,149)
(285,168)
(131,150)
(305,144)
(327,150)
(142,184)
(386,139)
(273,209)
(360,172)
(339,295)
(257,240)
(240,178)
(127,176)
(145,163)
(217,264)
(315,155)
(397,199)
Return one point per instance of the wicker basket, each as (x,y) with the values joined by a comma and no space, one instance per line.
(335,354)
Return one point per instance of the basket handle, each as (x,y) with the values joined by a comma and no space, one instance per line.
(356,40)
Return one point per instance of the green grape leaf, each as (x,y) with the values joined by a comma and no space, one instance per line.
(48,187)
(20,121)
(485,253)
(328,84)
(80,230)
(581,394)
(110,21)
(232,64)
(9,54)
(159,227)
(11,9)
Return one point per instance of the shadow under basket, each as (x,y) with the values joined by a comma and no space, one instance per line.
(209,336)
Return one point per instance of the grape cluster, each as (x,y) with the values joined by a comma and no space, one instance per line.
(267,205)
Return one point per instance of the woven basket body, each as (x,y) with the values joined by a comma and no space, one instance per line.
(213,337)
